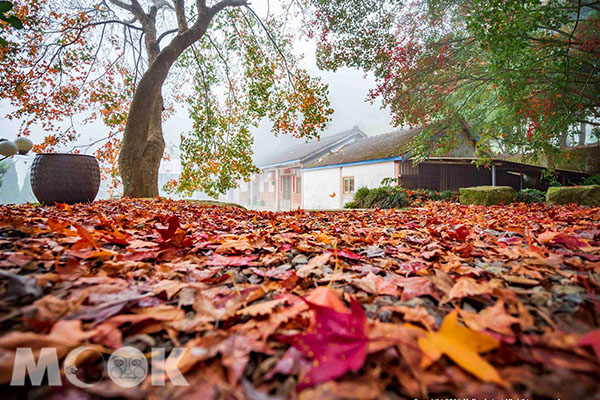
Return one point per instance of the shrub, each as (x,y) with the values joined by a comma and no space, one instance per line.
(382,197)
(449,195)
(361,194)
(531,196)
(418,196)
(591,180)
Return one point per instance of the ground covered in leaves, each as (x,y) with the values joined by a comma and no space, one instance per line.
(439,301)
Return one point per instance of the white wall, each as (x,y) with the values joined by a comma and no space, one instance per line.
(370,175)
(318,184)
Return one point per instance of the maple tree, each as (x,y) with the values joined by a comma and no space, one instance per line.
(12,20)
(112,61)
(519,75)
(439,300)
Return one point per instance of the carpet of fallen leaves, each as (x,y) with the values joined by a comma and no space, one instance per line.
(443,300)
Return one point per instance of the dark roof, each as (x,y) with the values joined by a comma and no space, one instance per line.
(387,145)
(303,151)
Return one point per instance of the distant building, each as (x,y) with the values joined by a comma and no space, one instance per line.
(279,184)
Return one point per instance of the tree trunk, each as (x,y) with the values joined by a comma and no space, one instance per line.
(143,144)
(140,174)
(582,134)
(562,139)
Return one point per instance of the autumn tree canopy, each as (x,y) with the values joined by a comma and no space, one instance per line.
(522,75)
(129,62)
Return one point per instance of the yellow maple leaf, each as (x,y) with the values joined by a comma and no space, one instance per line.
(323,238)
(462,345)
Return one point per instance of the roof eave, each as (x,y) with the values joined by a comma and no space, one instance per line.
(373,161)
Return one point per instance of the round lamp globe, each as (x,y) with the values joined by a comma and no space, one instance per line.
(23,144)
(8,148)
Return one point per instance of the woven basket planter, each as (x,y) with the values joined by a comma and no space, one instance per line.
(65,178)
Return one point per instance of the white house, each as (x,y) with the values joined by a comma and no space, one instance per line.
(279,184)
(331,181)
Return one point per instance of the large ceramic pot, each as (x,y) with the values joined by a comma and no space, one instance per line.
(65,178)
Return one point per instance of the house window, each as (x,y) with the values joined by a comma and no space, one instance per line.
(349,184)
(271,182)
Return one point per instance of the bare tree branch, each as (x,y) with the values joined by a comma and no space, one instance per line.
(165,34)
(227,3)
(201,6)
(180,13)
(272,40)
(122,4)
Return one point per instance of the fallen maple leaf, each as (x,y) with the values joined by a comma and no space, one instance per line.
(460,232)
(466,287)
(416,314)
(332,195)
(86,236)
(375,284)
(557,238)
(463,346)
(325,297)
(495,318)
(63,336)
(592,338)
(233,261)
(313,264)
(348,254)
(337,345)
(172,226)
(418,286)
(260,308)
(234,247)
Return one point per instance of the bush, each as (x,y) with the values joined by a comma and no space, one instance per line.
(361,194)
(591,180)
(531,196)
(449,195)
(396,197)
(423,195)
(382,197)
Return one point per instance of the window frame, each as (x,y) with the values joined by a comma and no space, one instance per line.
(348,179)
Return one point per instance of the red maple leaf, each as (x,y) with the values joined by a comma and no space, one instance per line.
(173,225)
(174,234)
(459,232)
(592,338)
(338,343)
